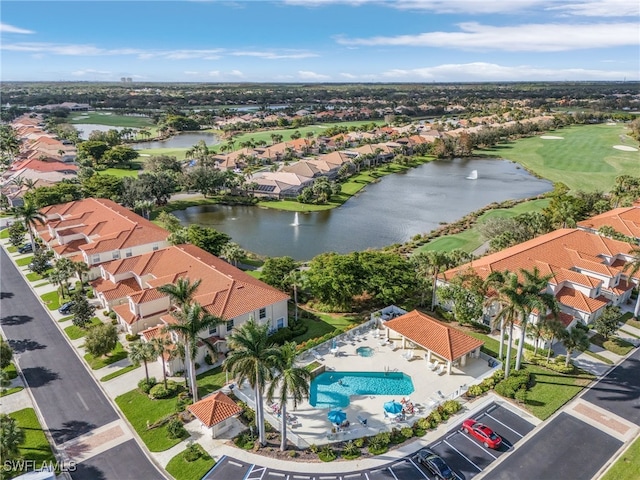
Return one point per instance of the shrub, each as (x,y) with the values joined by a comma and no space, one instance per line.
(159,391)
(176,429)
(350,450)
(359,442)
(112,315)
(451,407)
(396,436)
(422,424)
(313,448)
(145,385)
(281,336)
(132,337)
(207,359)
(377,446)
(509,386)
(419,432)
(327,454)
(498,375)
(475,391)
(407,432)
(194,452)
(114,322)
(246,441)
(105,313)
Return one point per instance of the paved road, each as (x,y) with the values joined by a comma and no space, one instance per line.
(66,394)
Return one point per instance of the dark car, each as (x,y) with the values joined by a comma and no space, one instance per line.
(26,248)
(435,464)
(66,308)
(480,431)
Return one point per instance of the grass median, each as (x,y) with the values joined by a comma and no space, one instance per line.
(35,447)
(182,469)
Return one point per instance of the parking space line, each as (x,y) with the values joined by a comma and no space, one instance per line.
(480,446)
(391,470)
(463,456)
(258,471)
(419,469)
(504,425)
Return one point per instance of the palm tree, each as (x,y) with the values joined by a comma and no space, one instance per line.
(180,292)
(11,437)
(252,357)
(290,381)
(144,352)
(492,286)
(296,280)
(512,307)
(574,339)
(432,263)
(160,345)
(535,300)
(31,217)
(192,319)
(632,267)
(80,268)
(232,252)
(64,270)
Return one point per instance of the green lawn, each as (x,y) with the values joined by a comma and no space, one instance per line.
(35,447)
(627,466)
(324,324)
(180,469)
(254,273)
(632,322)
(471,239)
(210,381)
(4,233)
(116,354)
(491,345)
(584,160)
(120,172)
(74,332)
(34,277)
(10,391)
(140,410)
(23,262)
(552,390)
(599,357)
(11,371)
(119,372)
(51,300)
(614,344)
(110,119)
(12,249)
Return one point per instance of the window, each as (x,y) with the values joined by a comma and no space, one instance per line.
(263,313)
(280,323)
(128,253)
(115,254)
(229,325)
(214,330)
(95,258)
(155,247)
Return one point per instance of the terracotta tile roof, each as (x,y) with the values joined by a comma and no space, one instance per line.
(625,220)
(225,290)
(619,289)
(147,295)
(125,313)
(579,301)
(443,340)
(40,166)
(214,409)
(113,291)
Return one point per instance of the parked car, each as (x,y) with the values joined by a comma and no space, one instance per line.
(481,432)
(435,464)
(66,308)
(47,265)
(26,248)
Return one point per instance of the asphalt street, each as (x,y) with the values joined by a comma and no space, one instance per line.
(66,394)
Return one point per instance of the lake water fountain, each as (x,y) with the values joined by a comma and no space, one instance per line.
(296,220)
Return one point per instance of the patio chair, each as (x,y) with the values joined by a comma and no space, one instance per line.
(440,395)
(432,365)
(440,369)
(316,355)
(362,420)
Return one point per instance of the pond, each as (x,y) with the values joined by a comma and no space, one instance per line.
(181,140)
(85,129)
(387,212)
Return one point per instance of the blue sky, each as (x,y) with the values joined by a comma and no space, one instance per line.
(320,40)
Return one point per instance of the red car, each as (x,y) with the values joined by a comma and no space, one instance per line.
(480,431)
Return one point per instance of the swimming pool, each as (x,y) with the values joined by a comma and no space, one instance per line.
(334,389)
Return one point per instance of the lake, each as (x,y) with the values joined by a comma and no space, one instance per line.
(390,211)
(180,140)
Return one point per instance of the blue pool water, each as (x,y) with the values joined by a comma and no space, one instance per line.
(334,389)
(365,351)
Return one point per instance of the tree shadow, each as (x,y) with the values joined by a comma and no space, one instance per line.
(15,319)
(87,472)
(26,345)
(71,430)
(4,295)
(39,376)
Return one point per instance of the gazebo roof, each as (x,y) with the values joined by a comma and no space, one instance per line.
(214,409)
(431,334)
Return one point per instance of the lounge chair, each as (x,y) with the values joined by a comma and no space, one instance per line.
(432,365)
(316,355)
(440,369)
(362,420)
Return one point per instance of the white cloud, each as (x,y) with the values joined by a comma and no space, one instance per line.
(438,6)
(600,8)
(273,55)
(312,76)
(530,37)
(236,73)
(92,72)
(350,76)
(481,71)
(6,28)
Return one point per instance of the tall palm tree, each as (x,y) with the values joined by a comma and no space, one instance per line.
(574,339)
(295,279)
(494,281)
(432,263)
(144,352)
(181,292)
(80,268)
(31,217)
(290,381)
(632,268)
(192,319)
(160,345)
(252,357)
(512,308)
(535,299)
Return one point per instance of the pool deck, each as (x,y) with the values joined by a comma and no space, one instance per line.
(311,425)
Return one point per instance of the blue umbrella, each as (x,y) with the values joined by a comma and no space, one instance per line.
(393,407)
(333,343)
(337,416)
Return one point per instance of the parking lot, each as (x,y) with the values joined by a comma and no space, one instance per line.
(465,455)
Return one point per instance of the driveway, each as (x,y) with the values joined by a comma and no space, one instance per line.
(66,394)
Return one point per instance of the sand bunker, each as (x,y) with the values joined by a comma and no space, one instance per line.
(625,148)
(551,137)
(612,124)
